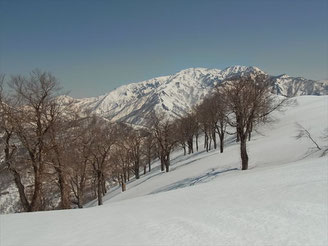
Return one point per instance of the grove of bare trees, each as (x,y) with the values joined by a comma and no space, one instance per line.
(60,158)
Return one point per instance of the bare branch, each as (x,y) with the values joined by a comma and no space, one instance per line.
(304,133)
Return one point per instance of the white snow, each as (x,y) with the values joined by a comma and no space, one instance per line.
(178,93)
(206,199)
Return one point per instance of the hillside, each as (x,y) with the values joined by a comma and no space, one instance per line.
(206,199)
(176,94)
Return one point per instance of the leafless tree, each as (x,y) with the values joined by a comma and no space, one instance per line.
(123,156)
(121,163)
(220,116)
(9,147)
(187,129)
(148,148)
(32,116)
(133,146)
(181,138)
(204,116)
(61,140)
(250,101)
(82,168)
(104,138)
(164,132)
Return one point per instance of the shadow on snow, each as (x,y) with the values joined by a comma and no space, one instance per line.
(193,180)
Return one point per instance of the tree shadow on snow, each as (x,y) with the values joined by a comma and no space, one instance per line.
(175,167)
(204,178)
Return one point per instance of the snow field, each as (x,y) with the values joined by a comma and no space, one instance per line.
(206,199)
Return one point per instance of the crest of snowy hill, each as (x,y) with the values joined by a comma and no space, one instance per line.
(178,93)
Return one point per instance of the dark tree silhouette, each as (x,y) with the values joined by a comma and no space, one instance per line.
(250,101)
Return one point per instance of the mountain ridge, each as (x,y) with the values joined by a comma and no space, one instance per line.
(176,94)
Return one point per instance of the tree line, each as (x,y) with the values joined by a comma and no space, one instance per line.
(59,158)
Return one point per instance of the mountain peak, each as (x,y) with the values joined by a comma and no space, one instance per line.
(283,76)
(193,69)
(239,70)
(178,93)
(197,71)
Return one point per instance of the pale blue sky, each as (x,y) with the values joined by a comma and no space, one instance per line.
(96,46)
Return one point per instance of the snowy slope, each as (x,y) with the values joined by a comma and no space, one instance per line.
(206,199)
(298,86)
(178,93)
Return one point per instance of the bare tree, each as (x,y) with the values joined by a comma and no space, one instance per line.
(133,145)
(148,147)
(80,157)
(250,101)
(104,138)
(125,154)
(180,136)
(204,115)
(220,116)
(31,117)
(121,163)
(9,147)
(187,128)
(163,130)
(61,139)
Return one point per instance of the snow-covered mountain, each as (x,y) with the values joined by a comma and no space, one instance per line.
(178,93)
(206,199)
(298,86)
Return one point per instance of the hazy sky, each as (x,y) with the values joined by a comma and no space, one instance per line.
(96,46)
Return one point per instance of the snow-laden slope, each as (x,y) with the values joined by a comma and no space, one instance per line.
(298,86)
(206,199)
(178,93)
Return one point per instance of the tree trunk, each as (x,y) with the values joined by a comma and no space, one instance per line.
(123,184)
(123,187)
(167,165)
(149,165)
(206,142)
(214,139)
(21,191)
(65,202)
(243,153)
(221,142)
(17,178)
(167,162)
(136,170)
(124,175)
(162,163)
(99,189)
(145,169)
(36,203)
(80,197)
(184,150)
(190,146)
(197,142)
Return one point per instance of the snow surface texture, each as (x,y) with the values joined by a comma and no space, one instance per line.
(178,93)
(206,199)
